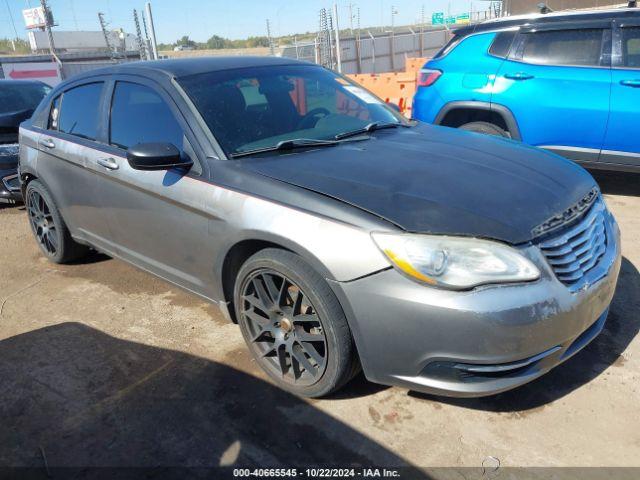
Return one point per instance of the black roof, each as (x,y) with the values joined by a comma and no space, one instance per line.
(193,65)
(550,18)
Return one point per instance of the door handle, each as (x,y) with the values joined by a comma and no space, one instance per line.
(630,83)
(47,143)
(108,163)
(518,76)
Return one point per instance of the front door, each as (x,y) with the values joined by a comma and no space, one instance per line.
(621,144)
(557,84)
(157,217)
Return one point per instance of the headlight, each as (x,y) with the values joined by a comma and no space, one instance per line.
(455,262)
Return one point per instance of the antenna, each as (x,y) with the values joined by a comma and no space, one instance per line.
(103,26)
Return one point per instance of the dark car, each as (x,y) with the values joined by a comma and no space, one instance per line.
(18,100)
(334,231)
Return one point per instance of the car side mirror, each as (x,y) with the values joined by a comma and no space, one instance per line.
(156,156)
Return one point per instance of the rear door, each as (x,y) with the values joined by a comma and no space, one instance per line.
(70,146)
(621,143)
(557,82)
(157,217)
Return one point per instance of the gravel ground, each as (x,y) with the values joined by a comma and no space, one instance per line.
(102,364)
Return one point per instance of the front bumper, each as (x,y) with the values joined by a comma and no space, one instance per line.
(474,343)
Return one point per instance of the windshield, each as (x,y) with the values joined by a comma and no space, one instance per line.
(15,97)
(254,108)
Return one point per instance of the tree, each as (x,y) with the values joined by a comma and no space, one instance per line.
(185,41)
(216,42)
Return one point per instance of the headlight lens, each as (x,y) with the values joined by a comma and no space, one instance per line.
(455,262)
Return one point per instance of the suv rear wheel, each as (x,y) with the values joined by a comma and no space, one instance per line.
(486,128)
(293,324)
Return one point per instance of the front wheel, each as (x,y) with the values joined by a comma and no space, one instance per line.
(293,324)
(486,128)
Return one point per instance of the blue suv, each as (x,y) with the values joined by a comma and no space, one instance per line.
(566,82)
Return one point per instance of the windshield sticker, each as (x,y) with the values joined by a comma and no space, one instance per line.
(362,94)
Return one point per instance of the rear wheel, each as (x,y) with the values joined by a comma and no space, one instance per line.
(49,229)
(486,128)
(293,324)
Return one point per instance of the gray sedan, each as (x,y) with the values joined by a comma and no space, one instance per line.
(336,233)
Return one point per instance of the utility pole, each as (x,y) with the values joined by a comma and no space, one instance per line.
(48,18)
(152,31)
(337,27)
(13,24)
(351,18)
(272,51)
(147,41)
(422,22)
(103,26)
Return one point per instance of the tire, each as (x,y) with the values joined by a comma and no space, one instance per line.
(48,227)
(305,321)
(486,128)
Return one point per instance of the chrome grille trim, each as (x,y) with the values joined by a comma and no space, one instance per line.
(576,250)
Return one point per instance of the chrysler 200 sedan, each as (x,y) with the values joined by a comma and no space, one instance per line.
(337,234)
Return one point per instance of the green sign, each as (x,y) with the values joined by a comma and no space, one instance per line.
(463,18)
(450,20)
(437,18)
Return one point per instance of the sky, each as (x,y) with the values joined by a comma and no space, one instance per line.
(200,19)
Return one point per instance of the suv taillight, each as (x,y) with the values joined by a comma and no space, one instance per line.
(427,77)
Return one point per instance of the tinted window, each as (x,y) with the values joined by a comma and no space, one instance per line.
(54,114)
(631,47)
(15,97)
(140,115)
(78,111)
(451,44)
(501,44)
(563,47)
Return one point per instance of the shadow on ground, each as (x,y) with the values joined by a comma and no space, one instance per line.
(621,328)
(89,399)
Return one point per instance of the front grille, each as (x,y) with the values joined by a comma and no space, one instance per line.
(576,250)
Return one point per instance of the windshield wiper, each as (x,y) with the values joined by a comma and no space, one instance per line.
(370,128)
(288,145)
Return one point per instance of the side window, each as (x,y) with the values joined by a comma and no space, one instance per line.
(140,115)
(502,44)
(563,47)
(54,113)
(77,111)
(631,47)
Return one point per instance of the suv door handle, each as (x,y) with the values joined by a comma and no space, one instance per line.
(108,163)
(518,76)
(47,143)
(630,83)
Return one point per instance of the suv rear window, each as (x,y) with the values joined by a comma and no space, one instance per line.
(450,45)
(563,47)
(502,44)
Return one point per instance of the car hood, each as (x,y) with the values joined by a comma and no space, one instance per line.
(431,179)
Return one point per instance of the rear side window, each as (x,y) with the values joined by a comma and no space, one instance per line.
(563,47)
(631,47)
(502,44)
(77,111)
(140,115)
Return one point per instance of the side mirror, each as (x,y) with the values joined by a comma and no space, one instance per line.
(156,156)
